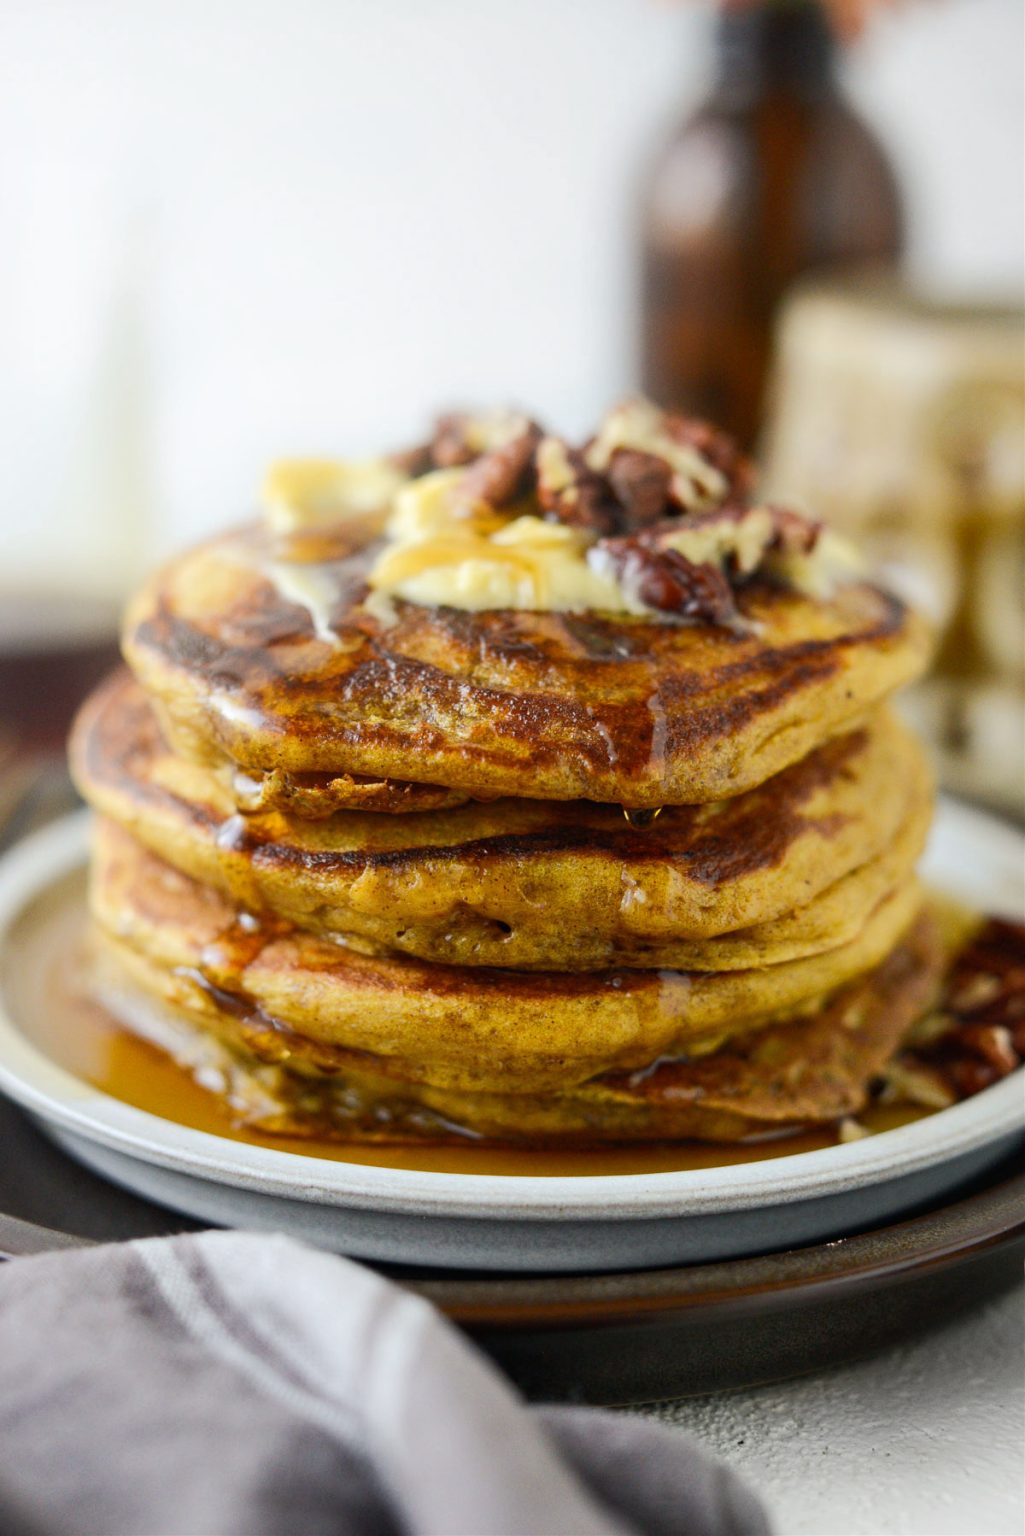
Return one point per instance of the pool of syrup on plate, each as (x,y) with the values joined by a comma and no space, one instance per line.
(51,1007)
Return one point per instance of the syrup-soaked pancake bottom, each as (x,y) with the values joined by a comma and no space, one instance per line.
(553,706)
(184,1075)
(811,1069)
(788,870)
(472,1029)
(60,1011)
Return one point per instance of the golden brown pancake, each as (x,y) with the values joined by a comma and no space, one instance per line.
(480,1029)
(802,1071)
(552,706)
(790,869)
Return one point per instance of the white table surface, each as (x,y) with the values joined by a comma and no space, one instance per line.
(927,1439)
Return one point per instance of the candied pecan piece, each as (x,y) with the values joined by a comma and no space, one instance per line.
(461,438)
(983,1003)
(968,1075)
(720,450)
(450,447)
(503,472)
(793,533)
(994,1044)
(666,580)
(571,492)
(641,483)
(415,461)
(735,538)
(639,426)
(704,467)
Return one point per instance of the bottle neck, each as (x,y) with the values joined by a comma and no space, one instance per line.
(775,45)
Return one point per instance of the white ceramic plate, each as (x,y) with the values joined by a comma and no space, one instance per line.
(520,1223)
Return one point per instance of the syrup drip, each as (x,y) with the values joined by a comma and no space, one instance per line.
(642,818)
(88,1040)
(52,1008)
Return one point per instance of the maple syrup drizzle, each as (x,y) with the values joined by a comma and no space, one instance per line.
(642,818)
(51,1006)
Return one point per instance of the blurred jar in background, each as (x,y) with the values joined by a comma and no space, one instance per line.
(772,178)
(903,422)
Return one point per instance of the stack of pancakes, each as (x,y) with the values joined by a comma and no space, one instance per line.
(506,873)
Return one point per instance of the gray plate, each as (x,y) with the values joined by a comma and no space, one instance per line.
(631,1337)
(477,1221)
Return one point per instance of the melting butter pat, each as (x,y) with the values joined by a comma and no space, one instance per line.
(745,543)
(432,505)
(313,587)
(833,563)
(442,553)
(314,493)
(527,564)
(742,541)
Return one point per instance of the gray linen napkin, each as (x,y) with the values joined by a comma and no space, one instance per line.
(229,1384)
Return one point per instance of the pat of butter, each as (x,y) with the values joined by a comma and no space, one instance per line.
(833,563)
(313,587)
(743,542)
(477,561)
(431,505)
(314,493)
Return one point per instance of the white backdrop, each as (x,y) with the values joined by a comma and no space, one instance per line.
(235,228)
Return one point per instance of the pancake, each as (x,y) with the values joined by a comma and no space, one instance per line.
(805,1071)
(790,869)
(544,705)
(479,1029)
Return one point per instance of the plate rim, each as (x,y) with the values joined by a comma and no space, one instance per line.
(55,1095)
(986,1220)
(957,1231)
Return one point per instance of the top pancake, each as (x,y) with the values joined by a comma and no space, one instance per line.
(555,706)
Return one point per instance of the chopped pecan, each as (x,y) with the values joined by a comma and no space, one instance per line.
(415,461)
(708,555)
(983,1013)
(461,438)
(994,1043)
(641,483)
(968,1075)
(734,537)
(450,446)
(793,533)
(666,580)
(504,472)
(717,447)
(458,439)
(705,468)
(571,492)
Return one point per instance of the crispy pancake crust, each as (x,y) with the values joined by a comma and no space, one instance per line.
(800,1072)
(544,705)
(313,796)
(481,1029)
(789,869)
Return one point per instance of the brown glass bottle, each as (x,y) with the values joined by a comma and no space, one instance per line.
(773,178)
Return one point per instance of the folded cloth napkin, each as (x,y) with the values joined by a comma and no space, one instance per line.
(229,1384)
